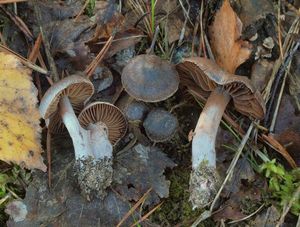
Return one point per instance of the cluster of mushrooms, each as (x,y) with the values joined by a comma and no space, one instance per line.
(95,128)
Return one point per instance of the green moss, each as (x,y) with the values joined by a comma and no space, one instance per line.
(177,209)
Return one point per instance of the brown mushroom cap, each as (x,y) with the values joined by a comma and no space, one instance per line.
(108,114)
(77,88)
(207,75)
(150,79)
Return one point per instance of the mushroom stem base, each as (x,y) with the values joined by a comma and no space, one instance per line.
(94,176)
(204,177)
(93,152)
(204,182)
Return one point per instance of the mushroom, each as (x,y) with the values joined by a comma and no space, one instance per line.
(109,126)
(149,78)
(160,125)
(63,98)
(136,111)
(220,86)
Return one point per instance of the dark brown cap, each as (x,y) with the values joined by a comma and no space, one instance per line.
(207,75)
(108,114)
(150,79)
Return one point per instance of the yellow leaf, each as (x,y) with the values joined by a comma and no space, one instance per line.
(19,116)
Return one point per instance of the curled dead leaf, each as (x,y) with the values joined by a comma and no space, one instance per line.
(229,50)
(280,149)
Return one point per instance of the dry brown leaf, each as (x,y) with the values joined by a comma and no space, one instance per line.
(19,116)
(280,149)
(229,50)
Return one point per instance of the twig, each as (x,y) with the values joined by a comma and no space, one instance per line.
(54,74)
(32,57)
(93,65)
(201,41)
(288,207)
(48,147)
(279,99)
(18,22)
(298,222)
(151,48)
(124,38)
(248,216)
(281,70)
(141,200)
(81,10)
(146,215)
(11,1)
(292,8)
(278,30)
(182,32)
(24,60)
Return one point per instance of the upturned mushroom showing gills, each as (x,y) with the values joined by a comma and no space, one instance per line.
(149,78)
(107,125)
(61,99)
(220,87)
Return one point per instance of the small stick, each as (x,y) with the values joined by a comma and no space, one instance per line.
(2,39)
(11,1)
(151,49)
(248,216)
(290,204)
(279,100)
(32,57)
(19,23)
(48,145)
(81,10)
(93,65)
(54,74)
(141,200)
(278,30)
(146,215)
(24,60)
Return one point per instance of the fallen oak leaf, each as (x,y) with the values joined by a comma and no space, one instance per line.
(229,50)
(19,116)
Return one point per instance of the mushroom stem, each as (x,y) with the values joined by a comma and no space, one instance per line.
(78,134)
(93,152)
(204,178)
(92,142)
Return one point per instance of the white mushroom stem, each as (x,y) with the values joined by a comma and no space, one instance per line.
(92,142)
(203,145)
(204,177)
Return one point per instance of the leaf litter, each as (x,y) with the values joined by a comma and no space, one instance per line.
(74,43)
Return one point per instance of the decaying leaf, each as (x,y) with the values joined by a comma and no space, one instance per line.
(281,149)
(19,116)
(123,40)
(63,205)
(63,33)
(229,50)
(267,218)
(142,168)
